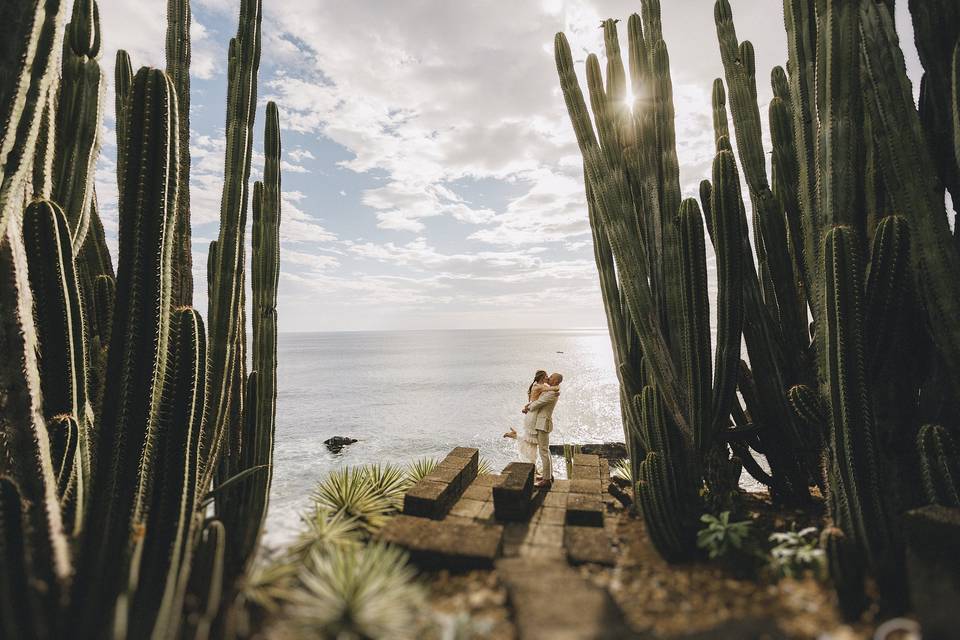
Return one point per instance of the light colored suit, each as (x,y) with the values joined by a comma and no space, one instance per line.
(542,408)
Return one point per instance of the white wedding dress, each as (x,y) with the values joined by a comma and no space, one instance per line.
(527,437)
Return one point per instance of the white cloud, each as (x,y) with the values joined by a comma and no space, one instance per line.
(469,196)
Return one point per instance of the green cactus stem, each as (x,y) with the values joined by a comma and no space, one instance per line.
(178,68)
(164,559)
(60,331)
(939,466)
(725,203)
(846,570)
(33,529)
(852,432)
(33,36)
(888,291)
(912,181)
(78,119)
(225,308)
(694,312)
(137,365)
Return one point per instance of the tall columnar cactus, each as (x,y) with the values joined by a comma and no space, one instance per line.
(63,351)
(775,331)
(78,119)
(243,509)
(939,465)
(32,33)
(107,455)
(863,513)
(844,129)
(131,419)
(34,546)
(178,68)
(919,191)
(225,267)
(651,256)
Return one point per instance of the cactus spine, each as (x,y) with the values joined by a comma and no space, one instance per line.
(178,68)
(33,29)
(651,257)
(226,279)
(243,510)
(939,466)
(137,365)
(118,442)
(857,171)
(60,332)
(78,119)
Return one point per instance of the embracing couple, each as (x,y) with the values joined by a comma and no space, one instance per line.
(534,436)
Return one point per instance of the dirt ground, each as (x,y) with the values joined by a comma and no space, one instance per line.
(696,599)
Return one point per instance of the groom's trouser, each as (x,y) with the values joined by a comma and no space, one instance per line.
(543,446)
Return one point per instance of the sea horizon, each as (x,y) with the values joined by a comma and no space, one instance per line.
(415,393)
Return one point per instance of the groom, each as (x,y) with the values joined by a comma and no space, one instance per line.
(543,407)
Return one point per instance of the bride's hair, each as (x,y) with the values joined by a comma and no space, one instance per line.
(537,377)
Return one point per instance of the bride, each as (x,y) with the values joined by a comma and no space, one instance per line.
(527,438)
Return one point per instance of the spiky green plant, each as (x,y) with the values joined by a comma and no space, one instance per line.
(484,467)
(848,393)
(419,469)
(621,469)
(324,529)
(650,251)
(356,493)
(107,455)
(843,126)
(356,593)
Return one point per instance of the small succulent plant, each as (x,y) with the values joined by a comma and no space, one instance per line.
(796,552)
(721,538)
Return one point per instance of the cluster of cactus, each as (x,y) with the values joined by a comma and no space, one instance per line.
(850,228)
(121,417)
(681,414)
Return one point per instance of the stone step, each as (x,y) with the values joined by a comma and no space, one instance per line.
(551,601)
(443,544)
(512,497)
(433,496)
(585,510)
(588,544)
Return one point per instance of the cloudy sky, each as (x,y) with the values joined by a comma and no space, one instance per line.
(430,176)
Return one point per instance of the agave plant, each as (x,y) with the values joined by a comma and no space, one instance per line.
(419,469)
(352,593)
(361,493)
(484,467)
(390,481)
(325,529)
(620,469)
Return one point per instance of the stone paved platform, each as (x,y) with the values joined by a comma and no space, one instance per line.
(455,519)
(579,610)
(565,521)
(445,544)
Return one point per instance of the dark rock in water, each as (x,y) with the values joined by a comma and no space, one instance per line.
(337,443)
(607,450)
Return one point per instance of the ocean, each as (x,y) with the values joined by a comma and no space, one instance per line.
(405,395)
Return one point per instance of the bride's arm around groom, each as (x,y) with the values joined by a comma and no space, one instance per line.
(542,408)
